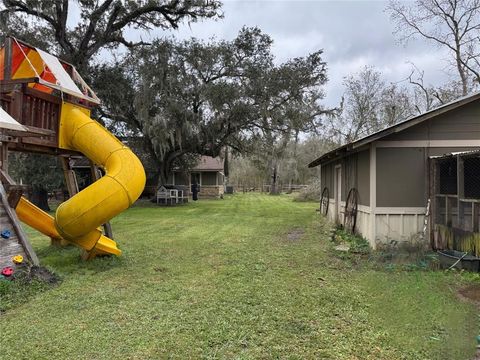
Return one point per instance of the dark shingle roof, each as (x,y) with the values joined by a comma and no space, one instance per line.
(208,163)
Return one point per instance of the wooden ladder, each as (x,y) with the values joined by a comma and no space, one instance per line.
(17,243)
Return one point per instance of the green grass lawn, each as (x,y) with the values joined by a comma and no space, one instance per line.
(223,279)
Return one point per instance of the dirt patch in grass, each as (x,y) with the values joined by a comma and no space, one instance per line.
(295,234)
(477,355)
(42,274)
(470,293)
(160,269)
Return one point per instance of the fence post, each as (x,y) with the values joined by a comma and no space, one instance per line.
(460,193)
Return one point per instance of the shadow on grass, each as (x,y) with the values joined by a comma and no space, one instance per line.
(68,260)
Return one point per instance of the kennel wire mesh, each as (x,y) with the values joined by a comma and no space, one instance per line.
(455,184)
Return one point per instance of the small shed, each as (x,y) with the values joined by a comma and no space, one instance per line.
(379,186)
(208,173)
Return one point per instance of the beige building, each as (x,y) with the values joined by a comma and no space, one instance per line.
(208,173)
(379,186)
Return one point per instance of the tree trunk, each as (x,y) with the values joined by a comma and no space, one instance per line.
(463,76)
(226,165)
(40,198)
(162,175)
(273,189)
(165,166)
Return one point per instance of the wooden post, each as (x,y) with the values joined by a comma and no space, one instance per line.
(22,237)
(72,187)
(70,178)
(16,106)
(15,192)
(460,193)
(4,156)
(433,200)
(10,203)
(7,70)
(447,212)
(473,205)
(476,216)
(96,175)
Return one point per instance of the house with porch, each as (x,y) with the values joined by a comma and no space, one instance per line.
(208,174)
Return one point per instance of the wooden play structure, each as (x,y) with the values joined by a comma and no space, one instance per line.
(45,108)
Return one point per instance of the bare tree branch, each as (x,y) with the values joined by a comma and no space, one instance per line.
(450,24)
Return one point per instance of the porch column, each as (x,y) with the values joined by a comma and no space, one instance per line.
(373,194)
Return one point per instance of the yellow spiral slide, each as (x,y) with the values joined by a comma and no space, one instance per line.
(78,219)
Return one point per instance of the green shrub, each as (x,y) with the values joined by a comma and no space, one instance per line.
(311,193)
(357,243)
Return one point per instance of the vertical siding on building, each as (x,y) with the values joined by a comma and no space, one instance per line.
(401,174)
(462,123)
(327,176)
(363,181)
(401,177)
(209,178)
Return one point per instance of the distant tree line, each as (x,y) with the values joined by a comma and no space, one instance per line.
(175,100)
(369,104)
(196,97)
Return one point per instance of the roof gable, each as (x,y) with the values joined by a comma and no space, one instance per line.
(351,147)
(208,163)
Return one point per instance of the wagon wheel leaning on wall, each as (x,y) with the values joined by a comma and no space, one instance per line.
(324,201)
(351,207)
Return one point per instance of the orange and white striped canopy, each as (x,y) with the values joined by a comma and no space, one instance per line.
(50,72)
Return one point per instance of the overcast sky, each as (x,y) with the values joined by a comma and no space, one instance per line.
(351,33)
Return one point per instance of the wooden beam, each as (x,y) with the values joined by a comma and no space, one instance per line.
(476,217)
(373,195)
(460,193)
(16,106)
(70,178)
(72,187)
(15,192)
(4,156)
(39,131)
(11,84)
(5,178)
(96,175)
(22,237)
(432,181)
(32,132)
(7,70)
(42,95)
(39,141)
(40,149)
(448,221)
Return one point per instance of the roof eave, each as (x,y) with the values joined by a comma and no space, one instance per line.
(397,128)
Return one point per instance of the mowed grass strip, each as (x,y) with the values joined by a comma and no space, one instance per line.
(251,276)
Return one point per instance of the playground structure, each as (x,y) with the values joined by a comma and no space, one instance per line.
(45,108)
